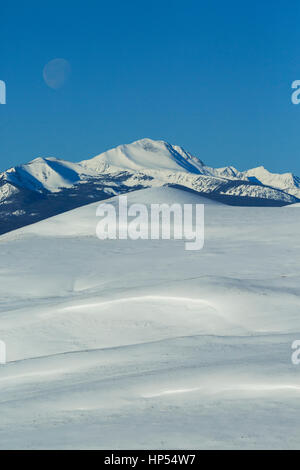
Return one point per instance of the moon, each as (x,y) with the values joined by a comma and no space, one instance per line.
(56,73)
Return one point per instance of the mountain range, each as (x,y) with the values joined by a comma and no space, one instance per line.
(48,186)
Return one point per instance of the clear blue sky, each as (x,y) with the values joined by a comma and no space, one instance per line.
(212,76)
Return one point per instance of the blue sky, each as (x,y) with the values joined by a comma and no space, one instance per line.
(213,76)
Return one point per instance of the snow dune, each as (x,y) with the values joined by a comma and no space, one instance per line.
(81,221)
(141,344)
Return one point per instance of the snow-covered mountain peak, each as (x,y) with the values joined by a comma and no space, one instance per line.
(40,160)
(150,144)
(146,154)
(261,170)
(228,172)
(40,174)
(285,181)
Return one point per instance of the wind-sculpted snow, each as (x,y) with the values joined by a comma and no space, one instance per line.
(141,344)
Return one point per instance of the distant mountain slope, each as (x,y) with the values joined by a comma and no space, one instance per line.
(286,181)
(44,174)
(163,160)
(48,186)
(147,154)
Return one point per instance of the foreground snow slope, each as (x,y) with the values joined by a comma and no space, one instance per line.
(122,344)
(82,221)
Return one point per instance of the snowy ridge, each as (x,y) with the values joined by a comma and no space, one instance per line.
(286,181)
(161,159)
(146,154)
(157,159)
(81,221)
(48,186)
(44,174)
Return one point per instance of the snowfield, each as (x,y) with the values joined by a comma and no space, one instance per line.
(122,344)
